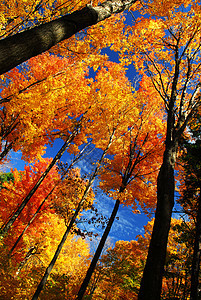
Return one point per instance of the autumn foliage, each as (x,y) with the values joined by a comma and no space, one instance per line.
(122,134)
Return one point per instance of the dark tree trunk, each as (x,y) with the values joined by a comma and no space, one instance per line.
(40,206)
(133,161)
(54,259)
(151,284)
(98,252)
(28,255)
(60,246)
(22,46)
(196,256)
(5,151)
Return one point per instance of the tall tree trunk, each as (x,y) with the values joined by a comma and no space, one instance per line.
(30,222)
(40,206)
(151,283)
(22,46)
(72,221)
(196,255)
(98,252)
(6,227)
(133,161)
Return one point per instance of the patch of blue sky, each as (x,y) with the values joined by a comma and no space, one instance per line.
(126,226)
(14,160)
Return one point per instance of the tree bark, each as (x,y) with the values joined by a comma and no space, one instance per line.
(196,255)
(20,47)
(28,255)
(60,246)
(54,259)
(151,283)
(98,252)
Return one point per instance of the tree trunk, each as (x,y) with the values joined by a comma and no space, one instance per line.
(54,259)
(30,222)
(151,283)
(40,206)
(6,227)
(196,256)
(60,246)
(98,252)
(5,151)
(22,46)
(133,160)
(72,221)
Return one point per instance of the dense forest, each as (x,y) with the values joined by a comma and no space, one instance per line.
(138,134)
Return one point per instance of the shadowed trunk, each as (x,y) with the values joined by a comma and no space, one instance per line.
(129,172)
(40,206)
(152,278)
(151,284)
(20,47)
(196,255)
(5,151)
(29,223)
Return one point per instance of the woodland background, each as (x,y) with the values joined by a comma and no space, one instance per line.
(116,85)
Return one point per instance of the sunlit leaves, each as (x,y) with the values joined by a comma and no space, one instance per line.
(69,194)
(141,147)
(160,45)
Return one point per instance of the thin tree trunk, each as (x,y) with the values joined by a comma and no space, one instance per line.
(40,206)
(98,252)
(185,291)
(6,150)
(151,283)
(69,227)
(30,222)
(22,46)
(15,215)
(196,255)
(53,261)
